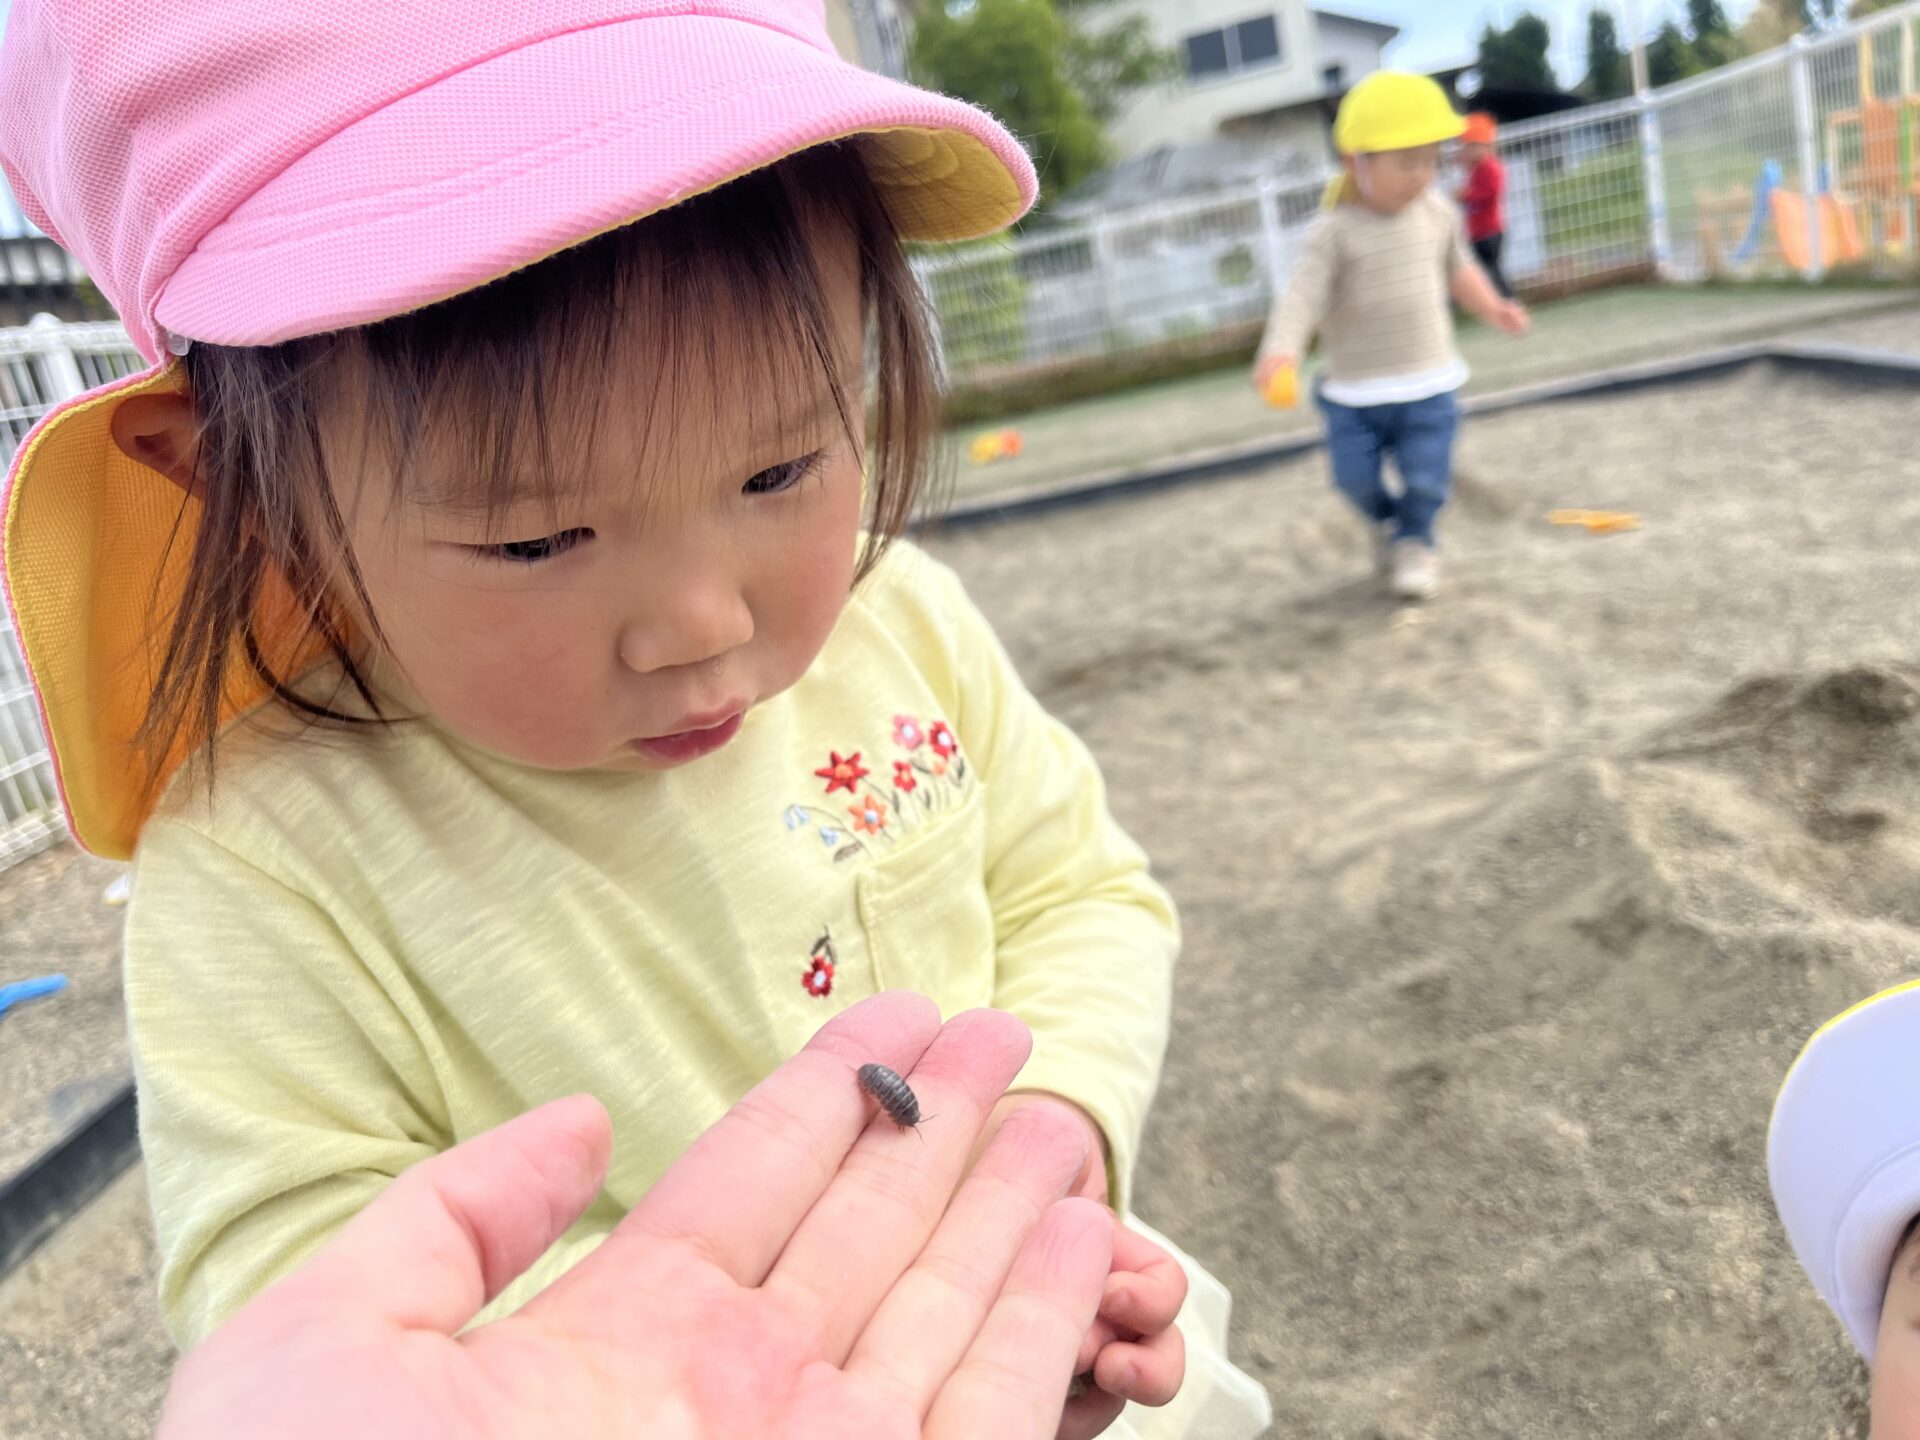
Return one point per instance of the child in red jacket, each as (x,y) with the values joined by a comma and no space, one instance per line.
(1484,196)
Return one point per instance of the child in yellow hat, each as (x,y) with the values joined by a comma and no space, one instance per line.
(1379,268)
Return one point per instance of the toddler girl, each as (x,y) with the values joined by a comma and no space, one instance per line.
(485,624)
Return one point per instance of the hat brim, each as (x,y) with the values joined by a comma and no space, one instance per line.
(530,152)
(1843,1154)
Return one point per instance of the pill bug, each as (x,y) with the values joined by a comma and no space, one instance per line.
(891,1094)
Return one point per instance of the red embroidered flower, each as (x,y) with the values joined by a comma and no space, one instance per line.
(907,733)
(817,978)
(869,815)
(843,774)
(941,738)
(903,780)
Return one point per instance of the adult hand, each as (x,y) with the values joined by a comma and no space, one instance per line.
(1133,1351)
(1512,317)
(1896,1365)
(799,1273)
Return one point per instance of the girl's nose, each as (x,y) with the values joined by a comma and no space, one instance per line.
(690,628)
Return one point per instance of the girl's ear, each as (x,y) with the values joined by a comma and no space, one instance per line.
(161,433)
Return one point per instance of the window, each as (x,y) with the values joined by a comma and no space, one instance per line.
(1249,45)
(1259,40)
(1207,54)
(1335,77)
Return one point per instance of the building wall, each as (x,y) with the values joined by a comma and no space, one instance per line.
(1354,48)
(846,39)
(1191,110)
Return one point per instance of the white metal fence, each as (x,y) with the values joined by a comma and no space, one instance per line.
(1796,162)
(1793,163)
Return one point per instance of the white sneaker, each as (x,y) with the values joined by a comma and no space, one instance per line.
(1416,570)
(1380,535)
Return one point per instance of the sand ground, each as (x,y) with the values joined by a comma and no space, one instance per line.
(1505,916)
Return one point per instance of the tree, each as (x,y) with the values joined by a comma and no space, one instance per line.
(1868,7)
(1516,58)
(1774,22)
(1107,64)
(1011,57)
(1608,74)
(1711,34)
(1670,56)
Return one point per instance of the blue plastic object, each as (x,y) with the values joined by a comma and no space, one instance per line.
(22,991)
(1769,181)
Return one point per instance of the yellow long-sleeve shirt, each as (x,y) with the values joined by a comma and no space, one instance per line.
(367,947)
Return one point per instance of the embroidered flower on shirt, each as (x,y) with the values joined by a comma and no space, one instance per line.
(929,775)
(869,814)
(843,774)
(817,978)
(940,736)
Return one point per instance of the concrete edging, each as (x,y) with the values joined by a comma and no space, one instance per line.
(1852,362)
(62,1179)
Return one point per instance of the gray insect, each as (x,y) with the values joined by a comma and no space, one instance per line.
(891,1094)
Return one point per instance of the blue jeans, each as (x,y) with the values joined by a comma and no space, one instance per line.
(1419,435)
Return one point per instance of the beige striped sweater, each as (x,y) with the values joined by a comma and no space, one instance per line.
(1376,289)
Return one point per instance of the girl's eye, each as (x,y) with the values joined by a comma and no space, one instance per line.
(532,552)
(781,477)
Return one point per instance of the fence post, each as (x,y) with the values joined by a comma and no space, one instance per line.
(1800,69)
(1100,239)
(56,354)
(1653,173)
(1267,197)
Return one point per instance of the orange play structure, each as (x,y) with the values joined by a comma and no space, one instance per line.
(1873,153)
(1839,231)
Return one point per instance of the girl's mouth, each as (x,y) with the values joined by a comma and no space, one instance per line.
(688,745)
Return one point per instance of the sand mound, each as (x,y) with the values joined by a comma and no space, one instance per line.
(1511,1114)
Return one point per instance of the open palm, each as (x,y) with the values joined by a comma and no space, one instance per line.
(798,1273)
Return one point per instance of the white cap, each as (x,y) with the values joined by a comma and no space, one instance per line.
(1843,1153)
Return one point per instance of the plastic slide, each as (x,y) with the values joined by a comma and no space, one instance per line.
(1839,234)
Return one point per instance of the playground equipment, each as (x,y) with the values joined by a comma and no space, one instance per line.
(1771,201)
(1873,151)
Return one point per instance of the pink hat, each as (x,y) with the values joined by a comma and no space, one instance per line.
(247,171)
(243,172)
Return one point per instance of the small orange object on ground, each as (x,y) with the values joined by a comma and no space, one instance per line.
(1596,522)
(996,445)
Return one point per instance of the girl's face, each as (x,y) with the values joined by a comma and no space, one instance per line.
(631,612)
(1391,180)
(1896,1368)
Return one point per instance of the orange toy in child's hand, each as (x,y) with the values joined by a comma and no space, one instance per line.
(1283,388)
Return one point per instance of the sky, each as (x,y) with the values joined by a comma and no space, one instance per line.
(1441,32)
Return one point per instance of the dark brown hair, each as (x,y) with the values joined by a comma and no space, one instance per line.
(518,375)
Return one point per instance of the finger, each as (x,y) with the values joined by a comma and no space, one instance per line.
(925,1324)
(1147,1287)
(893,1186)
(1147,1372)
(1094,1341)
(1012,1385)
(743,1187)
(1090,1415)
(453,1231)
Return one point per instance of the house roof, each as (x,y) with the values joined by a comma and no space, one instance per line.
(1382,26)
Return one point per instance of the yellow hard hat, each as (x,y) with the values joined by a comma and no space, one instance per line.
(1391,110)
